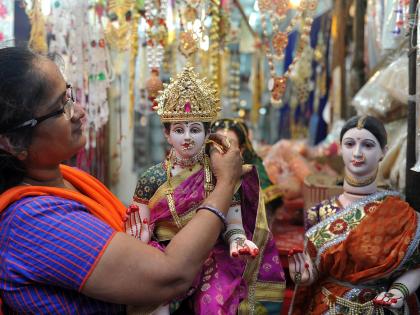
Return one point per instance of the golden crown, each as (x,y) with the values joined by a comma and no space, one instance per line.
(188,98)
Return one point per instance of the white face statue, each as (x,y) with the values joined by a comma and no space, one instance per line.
(361,152)
(187,138)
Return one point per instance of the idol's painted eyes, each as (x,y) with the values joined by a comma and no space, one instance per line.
(349,143)
(367,143)
(196,130)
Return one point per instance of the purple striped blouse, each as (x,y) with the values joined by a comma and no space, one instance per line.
(48,247)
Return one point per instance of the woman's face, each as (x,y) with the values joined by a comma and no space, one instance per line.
(187,138)
(56,138)
(361,151)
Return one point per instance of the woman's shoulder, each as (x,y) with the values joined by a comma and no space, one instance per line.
(37,209)
(149,181)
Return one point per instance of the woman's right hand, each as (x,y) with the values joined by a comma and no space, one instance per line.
(226,165)
(301,269)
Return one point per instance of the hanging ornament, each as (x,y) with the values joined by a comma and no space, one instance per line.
(235,82)
(153,85)
(264,5)
(215,42)
(156,38)
(37,40)
(277,86)
(275,13)
(281,7)
(118,29)
(301,75)
(280,41)
(190,28)
(187,44)
(190,14)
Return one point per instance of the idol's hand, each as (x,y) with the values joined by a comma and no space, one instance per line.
(240,247)
(392,299)
(137,225)
(301,269)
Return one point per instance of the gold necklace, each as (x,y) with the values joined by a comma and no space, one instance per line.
(184,163)
(208,187)
(356,182)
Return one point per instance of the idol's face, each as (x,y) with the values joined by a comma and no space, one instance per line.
(361,152)
(187,138)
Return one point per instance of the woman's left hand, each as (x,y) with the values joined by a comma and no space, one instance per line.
(392,299)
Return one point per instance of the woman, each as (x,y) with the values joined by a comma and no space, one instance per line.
(362,252)
(168,193)
(236,130)
(62,249)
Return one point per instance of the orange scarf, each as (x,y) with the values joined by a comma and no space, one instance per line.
(93,194)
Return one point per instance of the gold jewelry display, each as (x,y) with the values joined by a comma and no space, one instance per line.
(214,34)
(187,98)
(356,182)
(38,39)
(189,37)
(118,34)
(275,12)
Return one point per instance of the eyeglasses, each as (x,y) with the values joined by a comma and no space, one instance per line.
(67,110)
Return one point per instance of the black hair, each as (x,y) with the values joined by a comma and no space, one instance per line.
(241,130)
(167,126)
(374,125)
(23,87)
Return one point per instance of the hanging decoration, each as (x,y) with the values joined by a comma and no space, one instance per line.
(6,20)
(401,13)
(302,74)
(234,82)
(275,12)
(188,37)
(119,28)
(135,17)
(156,37)
(79,37)
(215,43)
(37,40)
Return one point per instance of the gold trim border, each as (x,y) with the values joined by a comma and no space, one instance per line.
(270,291)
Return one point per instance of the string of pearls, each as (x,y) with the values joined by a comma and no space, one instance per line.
(156,32)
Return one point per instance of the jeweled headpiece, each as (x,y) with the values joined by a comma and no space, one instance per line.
(188,98)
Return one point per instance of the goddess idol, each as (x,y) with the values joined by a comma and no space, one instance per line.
(243,274)
(362,248)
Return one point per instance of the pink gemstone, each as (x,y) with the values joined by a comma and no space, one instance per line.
(187,107)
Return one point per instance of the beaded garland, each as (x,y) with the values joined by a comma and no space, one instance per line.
(156,38)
